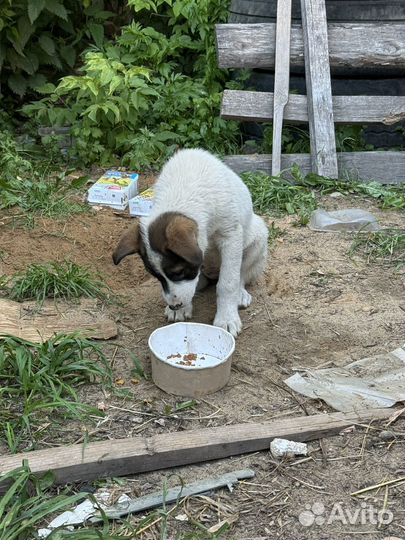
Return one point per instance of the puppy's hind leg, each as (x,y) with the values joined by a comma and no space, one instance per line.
(254,258)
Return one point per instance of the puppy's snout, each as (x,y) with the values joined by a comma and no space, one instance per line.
(175,307)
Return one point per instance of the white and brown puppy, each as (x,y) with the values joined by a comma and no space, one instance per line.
(202,225)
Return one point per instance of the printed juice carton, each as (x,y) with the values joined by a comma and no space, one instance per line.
(114,189)
(142,204)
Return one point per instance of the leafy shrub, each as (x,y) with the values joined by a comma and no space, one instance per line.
(151,90)
(42,38)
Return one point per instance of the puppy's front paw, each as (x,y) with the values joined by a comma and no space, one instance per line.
(230,322)
(179,315)
(245,298)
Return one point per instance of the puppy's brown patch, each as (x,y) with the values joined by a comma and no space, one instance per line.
(130,243)
(175,233)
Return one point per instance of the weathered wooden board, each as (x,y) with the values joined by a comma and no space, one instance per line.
(28,321)
(258,107)
(281,78)
(365,45)
(319,90)
(336,10)
(386,167)
(141,454)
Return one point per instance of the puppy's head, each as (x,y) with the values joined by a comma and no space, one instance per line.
(169,249)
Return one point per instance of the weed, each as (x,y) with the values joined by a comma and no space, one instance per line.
(39,378)
(387,196)
(23,183)
(182,406)
(280,196)
(30,502)
(387,246)
(27,503)
(138,369)
(66,280)
(274,233)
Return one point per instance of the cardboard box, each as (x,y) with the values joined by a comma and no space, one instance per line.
(114,189)
(142,204)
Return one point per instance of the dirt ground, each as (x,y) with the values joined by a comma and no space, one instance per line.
(314,306)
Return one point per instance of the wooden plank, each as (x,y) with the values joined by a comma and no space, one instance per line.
(141,454)
(35,323)
(281,78)
(258,107)
(319,89)
(385,167)
(365,45)
(338,10)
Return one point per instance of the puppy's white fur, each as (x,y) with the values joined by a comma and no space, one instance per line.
(200,186)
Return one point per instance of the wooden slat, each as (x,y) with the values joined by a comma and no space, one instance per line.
(338,10)
(319,90)
(258,107)
(386,167)
(281,78)
(365,45)
(140,454)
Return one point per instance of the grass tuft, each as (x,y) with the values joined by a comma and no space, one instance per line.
(280,196)
(28,502)
(33,185)
(66,280)
(277,195)
(39,379)
(387,246)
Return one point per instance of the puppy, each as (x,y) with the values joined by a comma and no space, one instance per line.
(202,227)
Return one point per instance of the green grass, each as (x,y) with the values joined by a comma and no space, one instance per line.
(66,280)
(30,503)
(40,379)
(34,185)
(387,246)
(277,195)
(274,233)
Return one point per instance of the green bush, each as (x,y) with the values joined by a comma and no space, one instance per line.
(41,39)
(152,89)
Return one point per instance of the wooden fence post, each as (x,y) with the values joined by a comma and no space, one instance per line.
(319,92)
(281,78)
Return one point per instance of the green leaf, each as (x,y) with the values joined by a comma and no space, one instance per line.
(69,55)
(57,8)
(97,33)
(17,84)
(36,81)
(34,9)
(47,44)
(79,182)
(25,30)
(47,88)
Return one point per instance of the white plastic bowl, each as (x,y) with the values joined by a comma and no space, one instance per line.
(191,359)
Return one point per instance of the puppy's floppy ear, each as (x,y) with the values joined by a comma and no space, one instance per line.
(128,244)
(181,236)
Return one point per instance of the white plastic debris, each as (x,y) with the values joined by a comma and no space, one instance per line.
(283,447)
(349,219)
(370,383)
(81,513)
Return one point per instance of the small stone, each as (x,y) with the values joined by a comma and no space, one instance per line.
(137,419)
(387,435)
(335,194)
(284,447)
